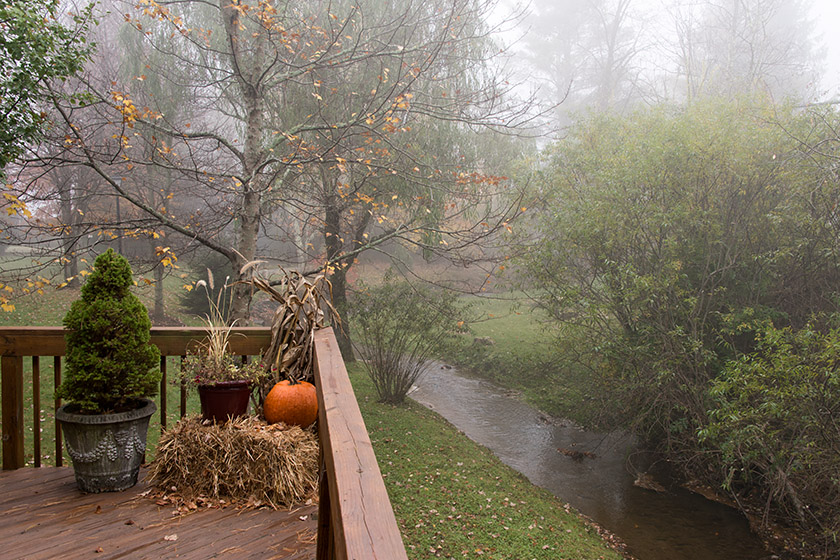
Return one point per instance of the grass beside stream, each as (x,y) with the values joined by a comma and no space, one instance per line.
(454,499)
(522,355)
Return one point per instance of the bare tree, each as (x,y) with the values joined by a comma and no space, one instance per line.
(729,47)
(312,110)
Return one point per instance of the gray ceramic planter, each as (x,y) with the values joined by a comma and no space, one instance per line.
(106,449)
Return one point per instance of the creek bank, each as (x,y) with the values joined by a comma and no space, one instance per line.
(454,498)
(781,542)
(655,525)
(784,542)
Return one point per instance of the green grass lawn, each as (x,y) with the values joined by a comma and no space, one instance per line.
(524,355)
(454,499)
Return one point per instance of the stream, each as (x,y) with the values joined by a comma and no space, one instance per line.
(672,525)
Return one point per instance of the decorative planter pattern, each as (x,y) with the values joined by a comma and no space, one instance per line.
(224,400)
(106,449)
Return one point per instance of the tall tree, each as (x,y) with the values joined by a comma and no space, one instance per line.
(35,47)
(587,52)
(284,97)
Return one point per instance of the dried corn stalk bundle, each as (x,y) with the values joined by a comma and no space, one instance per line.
(242,460)
(303,307)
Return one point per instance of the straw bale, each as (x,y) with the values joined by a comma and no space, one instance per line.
(240,461)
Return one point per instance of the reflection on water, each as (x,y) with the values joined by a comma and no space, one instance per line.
(672,525)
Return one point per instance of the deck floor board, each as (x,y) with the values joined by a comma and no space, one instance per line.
(45,516)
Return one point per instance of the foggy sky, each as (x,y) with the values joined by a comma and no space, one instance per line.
(827,16)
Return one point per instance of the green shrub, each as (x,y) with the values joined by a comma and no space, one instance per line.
(665,228)
(110,364)
(401,327)
(776,424)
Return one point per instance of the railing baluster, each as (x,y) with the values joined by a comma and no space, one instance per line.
(162,394)
(36,409)
(183,389)
(12,390)
(59,448)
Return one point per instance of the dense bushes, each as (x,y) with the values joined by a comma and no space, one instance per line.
(669,233)
(776,421)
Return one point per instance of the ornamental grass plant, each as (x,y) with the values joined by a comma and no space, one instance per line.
(212,362)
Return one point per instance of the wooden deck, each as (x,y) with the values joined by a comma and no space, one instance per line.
(44,515)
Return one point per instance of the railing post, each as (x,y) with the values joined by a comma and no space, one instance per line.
(36,409)
(12,390)
(325,543)
(163,410)
(59,447)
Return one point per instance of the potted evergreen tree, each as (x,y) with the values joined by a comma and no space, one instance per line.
(111,370)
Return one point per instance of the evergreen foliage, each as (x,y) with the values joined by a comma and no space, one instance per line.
(110,363)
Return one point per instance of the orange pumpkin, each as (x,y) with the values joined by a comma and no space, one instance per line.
(291,403)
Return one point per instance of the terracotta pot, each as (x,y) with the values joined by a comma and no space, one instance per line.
(224,400)
(106,449)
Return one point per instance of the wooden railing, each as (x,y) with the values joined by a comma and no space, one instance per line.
(355,515)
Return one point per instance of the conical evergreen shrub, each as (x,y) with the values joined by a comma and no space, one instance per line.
(110,363)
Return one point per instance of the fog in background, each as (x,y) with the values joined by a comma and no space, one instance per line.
(826,15)
(617,54)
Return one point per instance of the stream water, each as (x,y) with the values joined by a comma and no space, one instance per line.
(671,525)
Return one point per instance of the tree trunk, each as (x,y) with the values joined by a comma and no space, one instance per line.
(160,310)
(332,241)
(68,242)
(240,309)
(342,334)
(248,65)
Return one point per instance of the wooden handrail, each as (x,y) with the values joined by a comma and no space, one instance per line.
(359,522)
(172,341)
(355,519)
